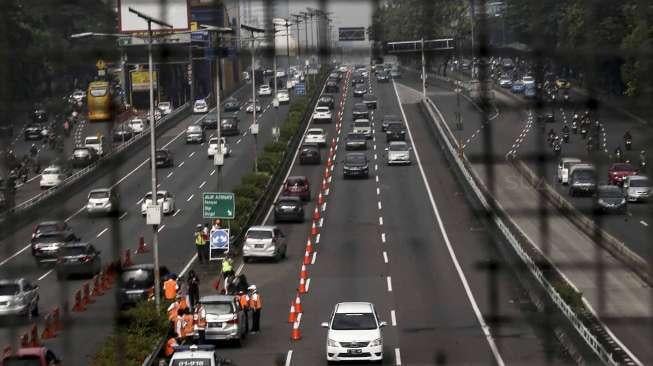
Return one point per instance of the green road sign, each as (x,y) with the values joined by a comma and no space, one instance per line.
(218,205)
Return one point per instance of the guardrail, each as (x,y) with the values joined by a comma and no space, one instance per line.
(521,245)
(23,210)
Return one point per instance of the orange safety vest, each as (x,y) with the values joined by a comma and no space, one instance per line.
(170,347)
(255,302)
(173,311)
(170,289)
(187,326)
(243,300)
(200,318)
(183,304)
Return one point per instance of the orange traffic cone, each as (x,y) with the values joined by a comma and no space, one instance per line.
(142,247)
(331,152)
(302,286)
(329,162)
(313,229)
(307,258)
(320,199)
(97,286)
(316,214)
(295,334)
(309,245)
(292,316)
(34,336)
(24,340)
(86,294)
(78,306)
(127,259)
(327,172)
(49,330)
(7,351)
(56,319)
(324,184)
(333,142)
(304,272)
(298,305)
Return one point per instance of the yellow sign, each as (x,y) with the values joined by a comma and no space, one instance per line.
(194,26)
(141,80)
(100,64)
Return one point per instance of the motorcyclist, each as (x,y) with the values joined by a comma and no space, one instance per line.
(565,133)
(574,126)
(642,159)
(33,150)
(628,139)
(618,154)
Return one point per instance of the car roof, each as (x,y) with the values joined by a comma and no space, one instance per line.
(262,227)
(315,129)
(398,143)
(11,281)
(297,177)
(609,187)
(625,166)
(356,154)
(354,307)
(100,190)
(77,244)
(638,177)
(289,198)
(217,298)
(569,160)
(51,222)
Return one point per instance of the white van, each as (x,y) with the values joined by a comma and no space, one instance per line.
(563,169)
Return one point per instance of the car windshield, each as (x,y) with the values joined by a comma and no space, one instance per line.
(398,147)
(159,196)
(361,124)
(641,183)
(73,251)
(52,171)
(315,132)
(355,159)
(164,105)
(610,192)
(161,154)
(395,126)
(355,136)
(42,228)
(9,289)
(137,278)
(200,103)
(194,128)
(353,321)
(295,182)
(287,203)
(360,107)
(99,92)
(92,140)
(136,122)
(585,174)
(218,308)
(50,238)
(623,168)
(81,153)
(259,234)
(99,194)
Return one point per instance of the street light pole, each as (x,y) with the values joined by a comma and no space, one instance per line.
(423,71)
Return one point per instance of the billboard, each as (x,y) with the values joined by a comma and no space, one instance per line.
(351,34)
(141,80)
(173,12)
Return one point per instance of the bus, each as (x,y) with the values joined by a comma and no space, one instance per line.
(101,101)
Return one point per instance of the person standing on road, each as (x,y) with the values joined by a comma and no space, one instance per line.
(227,273)
(193,289)
(243,300)
(170,347)
(199,243)
(255,303)
(170,288)
(206,232)
(200,321)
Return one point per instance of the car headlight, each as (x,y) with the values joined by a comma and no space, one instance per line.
(331,343)
(376,342)
(601,201)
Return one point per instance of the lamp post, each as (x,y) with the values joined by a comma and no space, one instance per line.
(254,125)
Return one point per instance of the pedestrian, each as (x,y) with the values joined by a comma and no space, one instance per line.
(243,300)
(193,289)
(170,288)
(200,321)
(171,343)
(255,303)
(199,243)
(216,225)
(188,327)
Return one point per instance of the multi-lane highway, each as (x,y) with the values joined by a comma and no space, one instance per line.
(192,174)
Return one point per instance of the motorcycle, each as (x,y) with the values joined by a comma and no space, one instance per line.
(565,137)
(583,132)
(574,127)
(557,148)
(618,155)
(629,143)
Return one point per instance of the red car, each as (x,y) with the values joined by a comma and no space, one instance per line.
(297,186)
(619,171)
(37,356)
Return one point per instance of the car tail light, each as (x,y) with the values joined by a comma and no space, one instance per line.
(233,320)
(86,258)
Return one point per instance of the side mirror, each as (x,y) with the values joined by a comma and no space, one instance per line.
(382,324)
(324,324)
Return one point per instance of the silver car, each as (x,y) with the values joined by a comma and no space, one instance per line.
(19,297)
(225,319)
(398,152)
(102,201)
(194,134)
(264,242)
(637,188)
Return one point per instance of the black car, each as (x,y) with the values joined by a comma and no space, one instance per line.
(356,141)
(39,116)
(83,157)
(45,227)
(326,101)
(357,80)
(209,122)
(136,283)
(33,132)
(383,77)
(289,209)
(309,153)
(395,131)
(122,133)
(334,76)
(387,119)
(360,111)
(231,105)
(545,117)
(229,126)
(360,90)
(78,259)
(164,158)
(610,198)
(46,246)
(370,101)
(355,165)
(331,87)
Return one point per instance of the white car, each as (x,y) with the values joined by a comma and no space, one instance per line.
(315,136)
(200,106)
(283,97)
(52,176)
(213,147)
(102,201)
(354,333)
(264,90)
(398,152)
(201,355)
(95,142)
(564,166)
(322,114)
(163,198)
(250,107)
(78,95)
(137,125)
(363,126)
(528,80)
(165,107)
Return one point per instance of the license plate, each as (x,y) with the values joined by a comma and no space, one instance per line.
(215,325)
(258,246)
(355,351)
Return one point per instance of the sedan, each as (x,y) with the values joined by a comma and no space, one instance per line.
(610,198)
(250,107)
(102,201)
(264,90)
(619,171)
(326,101)
(316,135)
(122,133)
(383,77)
(355,165)
(398,152)
(231,105)
(165,107)
(210,122)
(83,157)
(505,82)
(362,126)
(360,90)
(194,134)
(360,111)
(163,198)
(19,297)
(33,132)
(370,101)
(331,87)
(164,158)
(213,147)
(283,97)
(297,186)
(387,119)
(53,176)
(395,131)
(229,126)
(45,247)
(518,87)
(356,141)
(137,125)
(289,209)
(309,153)
(78,259)
(200,106)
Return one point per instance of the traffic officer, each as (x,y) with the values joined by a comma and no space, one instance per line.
(188,326)
(227,272)
(200,321)
(255,303)
(171,343)
(193,288)
(199,243)
(170,288)
(179,324)
(243,300)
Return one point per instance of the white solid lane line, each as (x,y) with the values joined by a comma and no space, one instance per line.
(397,357)
(169,175)
(379,204)
(461,274)
(383,238)
(191,154)
(161,228)
(176,212)
(643,223)
(212,172)
(389,281)
(385,257)
(15,255)
(380,220)
(123,215)
(181,164)
(393,318)
(102,232)
(202,185)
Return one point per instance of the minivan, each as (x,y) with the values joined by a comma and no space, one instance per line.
(582,179)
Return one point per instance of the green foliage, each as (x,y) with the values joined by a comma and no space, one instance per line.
(138,332)
(259,179)
(275,147)
(572,297)
(248,191)
(269,161)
